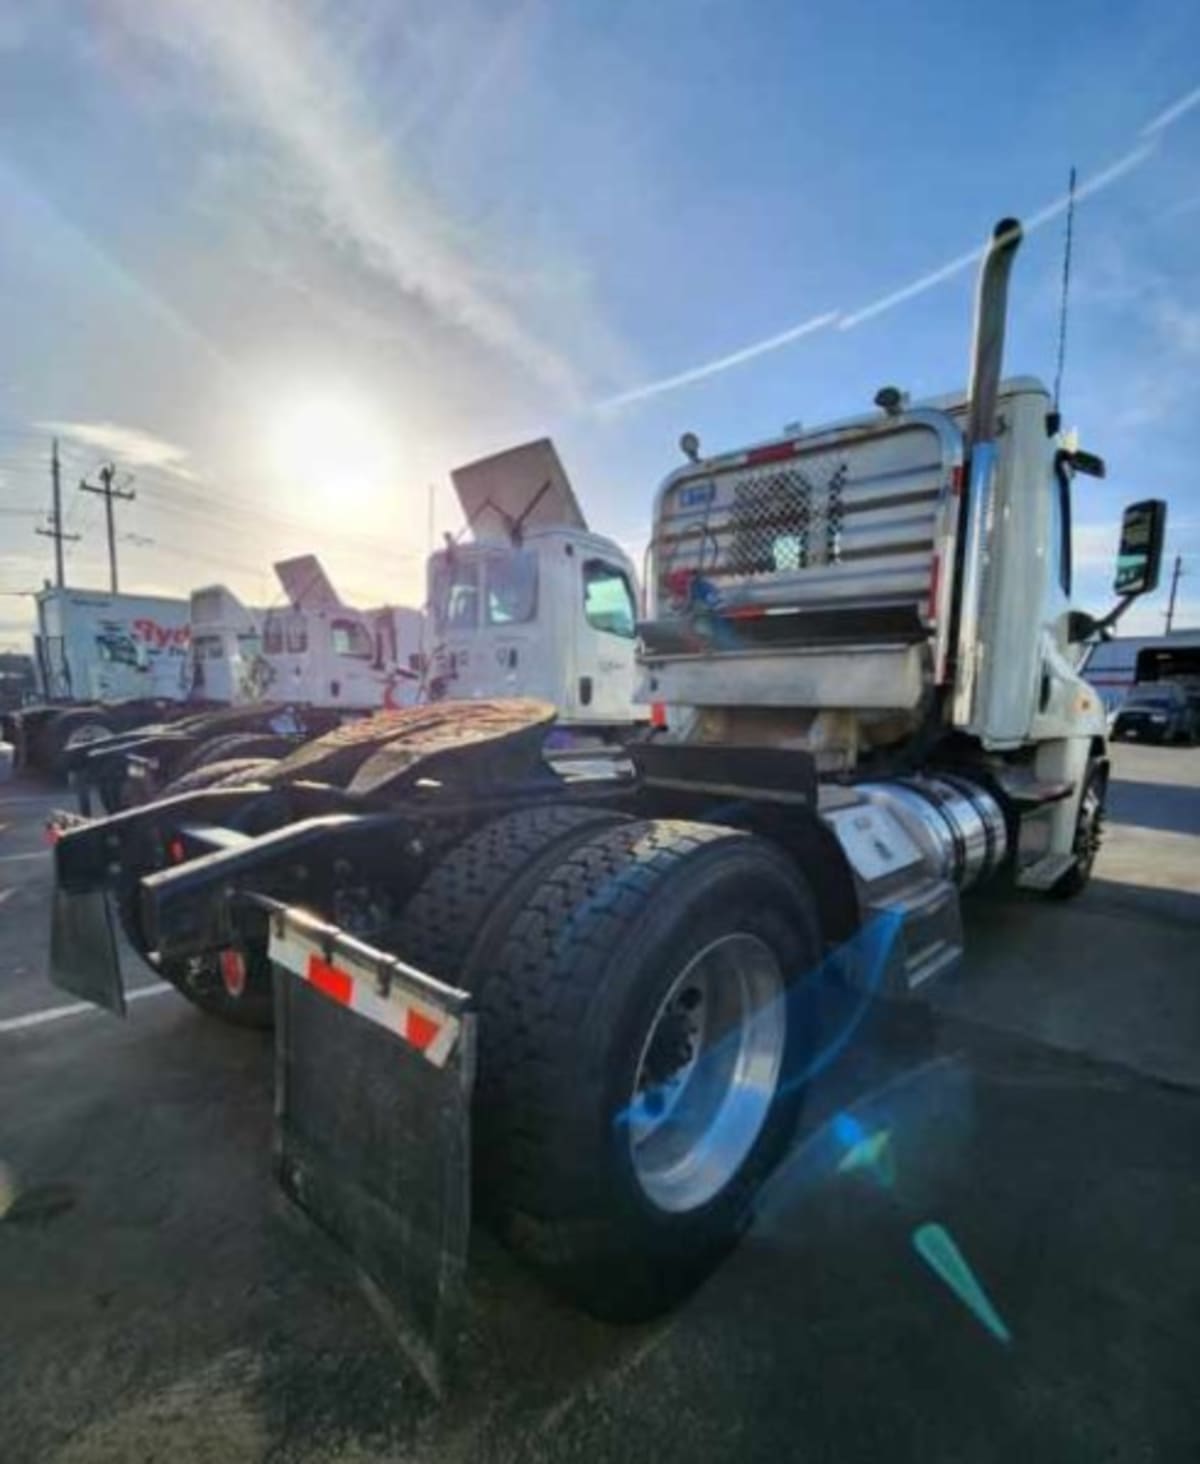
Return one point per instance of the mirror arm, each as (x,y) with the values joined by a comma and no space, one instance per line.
(1084,626)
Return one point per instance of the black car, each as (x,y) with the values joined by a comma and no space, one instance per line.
(1157,712)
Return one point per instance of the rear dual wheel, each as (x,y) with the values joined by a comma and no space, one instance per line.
(644,1033)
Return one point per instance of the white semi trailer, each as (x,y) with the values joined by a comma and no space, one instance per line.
(586,1006)
(102,662)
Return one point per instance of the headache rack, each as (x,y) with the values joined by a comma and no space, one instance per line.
(840,540)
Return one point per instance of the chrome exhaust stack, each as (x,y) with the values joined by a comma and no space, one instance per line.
(983,390)
(991,313)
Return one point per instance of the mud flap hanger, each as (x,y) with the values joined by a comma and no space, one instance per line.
(374,1070)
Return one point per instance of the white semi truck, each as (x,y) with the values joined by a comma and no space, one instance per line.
(585,1006)
(536,604)
(314,650)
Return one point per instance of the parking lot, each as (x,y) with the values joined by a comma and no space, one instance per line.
(1043,1109)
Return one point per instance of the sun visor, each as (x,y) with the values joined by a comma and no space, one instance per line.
(306,584)
(522,488)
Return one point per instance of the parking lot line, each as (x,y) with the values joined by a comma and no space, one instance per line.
(16,858)
(76,1008)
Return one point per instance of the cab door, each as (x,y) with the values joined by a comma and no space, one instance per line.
(605,621)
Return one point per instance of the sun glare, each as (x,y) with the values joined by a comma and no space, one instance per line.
(332,445)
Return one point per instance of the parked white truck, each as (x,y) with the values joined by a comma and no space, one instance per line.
(587,1005)
(536,604)
(313,650)
(102,662)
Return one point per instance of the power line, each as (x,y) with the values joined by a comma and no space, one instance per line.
(105,488)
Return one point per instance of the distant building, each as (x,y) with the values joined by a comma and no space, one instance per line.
(1113,666)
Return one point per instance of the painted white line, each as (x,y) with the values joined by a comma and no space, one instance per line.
(76,1008)
(16,858)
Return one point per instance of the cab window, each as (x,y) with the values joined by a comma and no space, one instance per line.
(206,647)
(272,640)
(351,638)
(608,602)
(511,588)
(456,594)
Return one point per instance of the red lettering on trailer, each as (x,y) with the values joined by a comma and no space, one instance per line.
(161,636)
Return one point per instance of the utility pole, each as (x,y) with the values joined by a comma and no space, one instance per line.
(105,488)
(55,531)
(1175,574)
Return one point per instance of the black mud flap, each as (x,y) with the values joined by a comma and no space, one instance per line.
(374,1071)
(83,949)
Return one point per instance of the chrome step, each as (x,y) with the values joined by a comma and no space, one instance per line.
(1045,872)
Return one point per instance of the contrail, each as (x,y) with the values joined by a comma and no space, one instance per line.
(1098,181)
(1173,113)
(721,363)
(1094,184)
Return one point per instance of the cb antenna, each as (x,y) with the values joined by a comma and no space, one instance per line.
(1066,288)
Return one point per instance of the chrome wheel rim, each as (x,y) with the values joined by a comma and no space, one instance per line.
(1087,838)
(708,1073)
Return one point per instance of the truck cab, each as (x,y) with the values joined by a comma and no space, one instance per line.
(323,652)
(227,661)
(537,605)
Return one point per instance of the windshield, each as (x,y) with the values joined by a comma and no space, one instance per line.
(454,593)
(511,587)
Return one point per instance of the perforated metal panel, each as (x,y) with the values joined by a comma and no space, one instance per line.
(846,518)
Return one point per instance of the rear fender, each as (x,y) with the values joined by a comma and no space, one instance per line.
(94,856)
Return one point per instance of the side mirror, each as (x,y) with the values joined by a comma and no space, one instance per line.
(1139,558)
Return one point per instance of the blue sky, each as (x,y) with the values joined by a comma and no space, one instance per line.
(289,263)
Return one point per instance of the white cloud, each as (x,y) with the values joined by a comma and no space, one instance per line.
(285,77)
(130,445)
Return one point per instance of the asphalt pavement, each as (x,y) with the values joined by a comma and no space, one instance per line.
(1012,1273)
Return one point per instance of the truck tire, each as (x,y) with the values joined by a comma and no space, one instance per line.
(451,927)
(235,744)
(71,730)
(199,979)
(644,1037)
(1089,831)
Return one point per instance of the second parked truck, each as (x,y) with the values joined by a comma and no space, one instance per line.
(583,1003)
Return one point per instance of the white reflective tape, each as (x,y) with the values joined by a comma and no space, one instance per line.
(290,953)
(403,1015)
